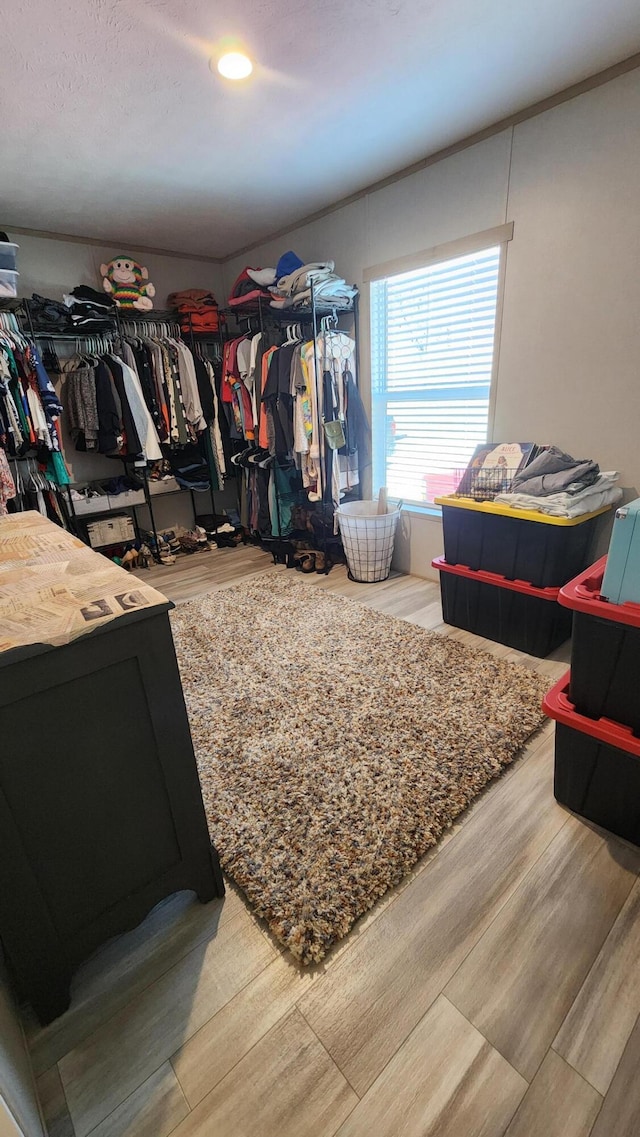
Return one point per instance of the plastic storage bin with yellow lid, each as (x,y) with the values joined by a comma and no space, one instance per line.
(514,543)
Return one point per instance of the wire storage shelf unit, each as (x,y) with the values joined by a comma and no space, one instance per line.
(99,340)
(260,316)
(310,321)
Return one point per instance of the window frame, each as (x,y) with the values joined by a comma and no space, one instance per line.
(499,236)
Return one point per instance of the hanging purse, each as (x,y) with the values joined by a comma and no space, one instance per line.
(334,429)
(334,434)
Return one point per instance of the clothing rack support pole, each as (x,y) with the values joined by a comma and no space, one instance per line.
(118,323)
(319,382)
(136,525)
(224,334)
(27,310)
(147,496)
(72,510)
(356,336)
(276,489)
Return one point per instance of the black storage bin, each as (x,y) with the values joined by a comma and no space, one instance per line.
(597,766)
(544,553)
(598,781)
(605,664)
(605,653)
(522,618)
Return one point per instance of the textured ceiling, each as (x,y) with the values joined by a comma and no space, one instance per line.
(114,127)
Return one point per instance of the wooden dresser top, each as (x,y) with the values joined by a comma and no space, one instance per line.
(54,589)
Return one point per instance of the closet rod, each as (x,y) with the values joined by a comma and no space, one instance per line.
(70,336)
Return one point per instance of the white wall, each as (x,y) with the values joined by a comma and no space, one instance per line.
(570,345)
(52,267)
(570,349)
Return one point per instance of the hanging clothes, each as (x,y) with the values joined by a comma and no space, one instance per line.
(35,486)
(29,407)
(128,403)
(294,389)
(236,397)
(182,391)
(326,387)
(276,396)
(7,484)
(81,403)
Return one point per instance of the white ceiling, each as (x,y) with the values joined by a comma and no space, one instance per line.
(114,127)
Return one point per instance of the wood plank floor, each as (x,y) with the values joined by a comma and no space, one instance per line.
(494,993)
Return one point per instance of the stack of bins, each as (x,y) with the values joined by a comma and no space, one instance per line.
(503,568)
(597,709)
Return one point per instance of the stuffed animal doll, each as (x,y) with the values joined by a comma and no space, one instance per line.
(123,279)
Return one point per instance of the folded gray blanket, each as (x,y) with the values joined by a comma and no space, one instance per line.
(553,471)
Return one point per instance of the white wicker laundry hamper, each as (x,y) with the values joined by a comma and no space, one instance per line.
(368,538)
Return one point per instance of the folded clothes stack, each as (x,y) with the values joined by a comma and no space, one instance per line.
(294,289)
(245,292)
(289,285)
(49,315)
(198,310)
(84,308)
(562,486)
(112,488)
(191,475)
(90,310)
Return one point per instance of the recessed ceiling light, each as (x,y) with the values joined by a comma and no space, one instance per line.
(235,65)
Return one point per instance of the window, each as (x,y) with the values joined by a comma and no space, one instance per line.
(432,345)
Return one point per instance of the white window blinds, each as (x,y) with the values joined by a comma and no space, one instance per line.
(432,342)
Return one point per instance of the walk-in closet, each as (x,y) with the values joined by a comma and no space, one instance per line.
(319,569)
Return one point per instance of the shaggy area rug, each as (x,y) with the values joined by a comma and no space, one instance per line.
(336,744)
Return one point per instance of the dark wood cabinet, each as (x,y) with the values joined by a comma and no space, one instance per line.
(101,812)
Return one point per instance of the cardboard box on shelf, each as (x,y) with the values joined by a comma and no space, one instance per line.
(111,530)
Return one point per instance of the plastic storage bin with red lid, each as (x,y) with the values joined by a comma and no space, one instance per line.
(605,652)
(510,612)
(583,595)
(597,766)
